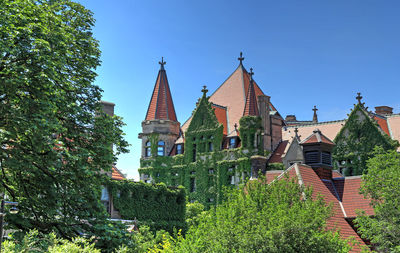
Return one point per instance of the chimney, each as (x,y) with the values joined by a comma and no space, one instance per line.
(108,108)
(291,118)
(263,104)
(384,110)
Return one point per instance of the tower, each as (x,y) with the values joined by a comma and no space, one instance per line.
(160,129)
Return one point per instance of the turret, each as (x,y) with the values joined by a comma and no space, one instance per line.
(160,129)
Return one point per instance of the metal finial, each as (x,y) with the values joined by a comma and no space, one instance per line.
(241,58)
(236,125)
(296,130)
(359,97)
(162,62)
(251,73)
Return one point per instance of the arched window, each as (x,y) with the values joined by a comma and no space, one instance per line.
(147,149)
(161,148)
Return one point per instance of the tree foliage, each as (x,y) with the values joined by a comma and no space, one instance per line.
(382,185)
(261,218)
(54,141)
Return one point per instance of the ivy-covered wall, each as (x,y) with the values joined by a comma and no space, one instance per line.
(356,140)
(156,205)
(204,168)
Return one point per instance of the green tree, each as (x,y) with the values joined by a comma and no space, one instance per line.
(382,186)
(54,142)
(262,218)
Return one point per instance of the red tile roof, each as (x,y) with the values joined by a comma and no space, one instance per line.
(161,105)
(276,156)
(221,113)
(342,193)
(317,137)
(116,174)
(251,106)
(382,122)
(232,94)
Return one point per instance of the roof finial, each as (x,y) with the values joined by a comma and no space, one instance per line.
(241,58)
(296,131)
(204,90)
(236,125)
(251,74)
(315,117)
(162,62)
(359,97)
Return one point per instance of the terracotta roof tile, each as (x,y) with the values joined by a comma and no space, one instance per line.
(331,192)
(394,127)
(382,122)
(276,156)
(161,105)
(317,137)
(116,174)
(251,106)
(221,113)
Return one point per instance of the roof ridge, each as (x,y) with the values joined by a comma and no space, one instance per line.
(317,124)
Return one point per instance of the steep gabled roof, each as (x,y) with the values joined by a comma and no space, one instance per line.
(251,106)
(345,200)
(232,94)
(161,105)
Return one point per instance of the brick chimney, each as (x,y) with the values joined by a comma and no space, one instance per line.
(383,110)
(108,107)
(291,118)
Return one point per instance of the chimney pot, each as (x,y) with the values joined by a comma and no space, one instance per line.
(384,110)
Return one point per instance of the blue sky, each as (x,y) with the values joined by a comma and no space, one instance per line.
(303,53)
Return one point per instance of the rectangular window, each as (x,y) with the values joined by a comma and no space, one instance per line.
(210,146)
(179,149)
(232,142)
(192,185)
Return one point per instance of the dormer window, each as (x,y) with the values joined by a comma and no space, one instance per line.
(147,149)
(232,143)
(161,148)
(179,149)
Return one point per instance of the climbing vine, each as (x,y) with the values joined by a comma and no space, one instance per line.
(156,205)
(356,141)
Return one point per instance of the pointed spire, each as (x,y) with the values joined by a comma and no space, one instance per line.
(315,117)
(251,107)
(241,58)
(161,105)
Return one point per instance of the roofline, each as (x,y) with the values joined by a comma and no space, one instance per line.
(107,103)
(317,124)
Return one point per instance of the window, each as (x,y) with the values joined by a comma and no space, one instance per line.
(179,149)
(147,149)
(105,199)
(232,142)
(192,185)
(161,148)
(210,146)
(210,171)
(194,153)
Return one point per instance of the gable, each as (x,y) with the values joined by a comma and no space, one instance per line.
(203,117)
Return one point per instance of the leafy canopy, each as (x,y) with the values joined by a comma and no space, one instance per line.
(262,218)
(382,185)
(54,141)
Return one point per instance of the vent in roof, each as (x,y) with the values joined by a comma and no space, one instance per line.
(312,157)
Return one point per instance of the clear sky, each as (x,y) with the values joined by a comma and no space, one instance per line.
(303,53)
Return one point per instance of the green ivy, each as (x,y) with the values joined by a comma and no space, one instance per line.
(356,141)
(155,205)
(209,170)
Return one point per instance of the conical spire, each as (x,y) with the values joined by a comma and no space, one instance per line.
(161,105)
(251,107)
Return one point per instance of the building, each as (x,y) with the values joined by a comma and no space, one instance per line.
(236,133)
(226,140)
